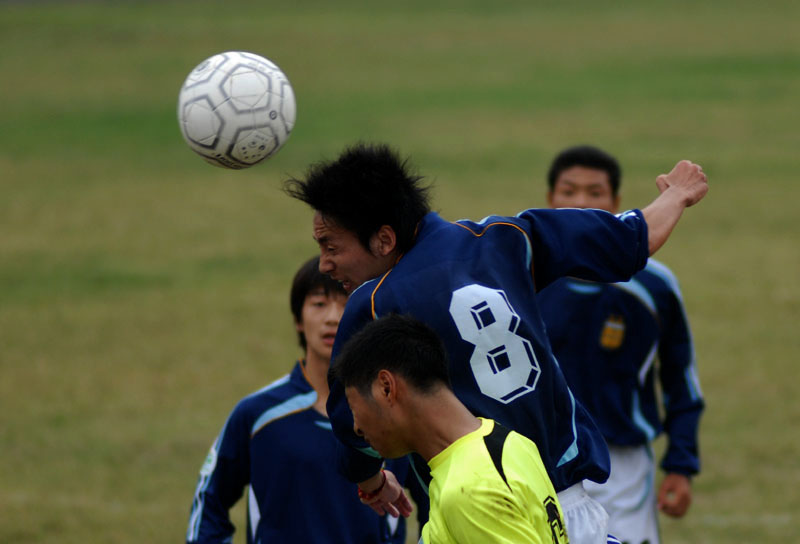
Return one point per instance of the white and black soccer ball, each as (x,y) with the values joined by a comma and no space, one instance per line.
(235,109)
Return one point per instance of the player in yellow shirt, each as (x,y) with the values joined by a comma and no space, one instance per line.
(490,486)
(488,483)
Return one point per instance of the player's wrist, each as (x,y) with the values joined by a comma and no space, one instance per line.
(374,492)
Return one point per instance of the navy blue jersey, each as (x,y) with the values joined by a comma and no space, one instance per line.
(607,339)
(474,284)
(276,444)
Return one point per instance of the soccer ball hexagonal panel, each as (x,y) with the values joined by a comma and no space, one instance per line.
(236,109)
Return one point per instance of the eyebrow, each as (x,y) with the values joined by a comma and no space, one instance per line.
(589,186)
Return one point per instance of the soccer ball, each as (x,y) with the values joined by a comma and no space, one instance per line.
(235,109)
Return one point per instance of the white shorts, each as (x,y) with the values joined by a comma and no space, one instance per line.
(629,495)
(586,521)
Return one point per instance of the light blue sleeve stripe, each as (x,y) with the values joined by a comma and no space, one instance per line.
(693,382)
(371,452)
(660,269)
(528,247)
(639,419)
(572,450)
(583,288)
(206,471)
(324,425)
(294,404)
(639,291)
(690,375)
(254,512)
(648,363)
(280,381)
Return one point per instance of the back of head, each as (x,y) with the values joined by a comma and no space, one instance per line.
(307,279)
(367,187)
(586,156)
(399,344)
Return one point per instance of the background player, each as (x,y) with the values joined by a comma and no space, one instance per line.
(474,284)
(488,484)
(607,338)
(278,441)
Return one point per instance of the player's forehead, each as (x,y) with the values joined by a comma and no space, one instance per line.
(579,177)
(319,292)
(327,229)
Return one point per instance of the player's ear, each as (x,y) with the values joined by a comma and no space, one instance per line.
(384,241)
(386,385)
(550,198)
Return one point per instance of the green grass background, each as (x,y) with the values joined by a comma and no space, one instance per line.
(143,292)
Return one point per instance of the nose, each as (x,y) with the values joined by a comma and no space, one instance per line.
(325,264)
(357,430)
(581,201)
(333,314)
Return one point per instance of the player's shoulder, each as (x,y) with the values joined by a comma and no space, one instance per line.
(522,453)
(359,307)
(481,226)
(274,393)
(658,276)
(286,396)
(362,294)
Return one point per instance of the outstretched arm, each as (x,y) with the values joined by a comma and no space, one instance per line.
(684,186)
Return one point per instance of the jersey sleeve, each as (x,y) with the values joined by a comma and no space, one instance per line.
(589,244)
(355,459)
(223,477)
(683,400)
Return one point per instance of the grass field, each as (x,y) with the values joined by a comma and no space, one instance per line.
(143,292)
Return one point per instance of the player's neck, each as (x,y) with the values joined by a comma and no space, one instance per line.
(316,373)
(441,420)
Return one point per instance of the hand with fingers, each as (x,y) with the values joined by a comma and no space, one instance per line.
(687,178)
(675,495)
(388,497)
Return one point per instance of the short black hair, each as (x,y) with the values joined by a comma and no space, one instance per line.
(398,343)
(589,157)
(368,186)
(308,278)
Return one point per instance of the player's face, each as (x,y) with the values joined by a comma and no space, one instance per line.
(580,187)
(320,319)
(371,422)
(344,258)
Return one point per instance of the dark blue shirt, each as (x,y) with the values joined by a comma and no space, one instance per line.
(475,284)
(611,341)
(284,450)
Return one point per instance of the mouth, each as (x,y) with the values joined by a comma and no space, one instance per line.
(346,285)
(328,339)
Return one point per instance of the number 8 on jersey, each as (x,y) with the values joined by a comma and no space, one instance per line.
(503,363)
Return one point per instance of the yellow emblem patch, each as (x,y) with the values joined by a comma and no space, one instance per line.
(613,332)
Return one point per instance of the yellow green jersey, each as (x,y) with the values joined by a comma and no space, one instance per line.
(491,486)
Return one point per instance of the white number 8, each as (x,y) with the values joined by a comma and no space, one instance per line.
(503,363)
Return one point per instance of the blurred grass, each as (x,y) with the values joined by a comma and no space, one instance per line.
(143,292)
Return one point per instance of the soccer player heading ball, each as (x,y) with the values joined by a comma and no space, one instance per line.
(474,284)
